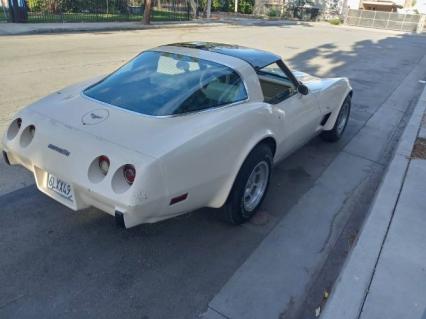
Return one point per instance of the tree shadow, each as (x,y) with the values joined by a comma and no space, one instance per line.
(374,68)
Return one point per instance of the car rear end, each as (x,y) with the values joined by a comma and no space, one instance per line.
(80,170)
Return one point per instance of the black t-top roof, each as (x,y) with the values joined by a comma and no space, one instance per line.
(257,58)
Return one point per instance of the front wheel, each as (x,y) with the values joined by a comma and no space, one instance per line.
(342,120)
(250,186)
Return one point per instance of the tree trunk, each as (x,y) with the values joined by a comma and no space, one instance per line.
(209,8)
(193,5)
(147,12)
(4,6)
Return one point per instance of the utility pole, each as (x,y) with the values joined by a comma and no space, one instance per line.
(235,6)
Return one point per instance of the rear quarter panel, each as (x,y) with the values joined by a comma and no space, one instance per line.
(205,166)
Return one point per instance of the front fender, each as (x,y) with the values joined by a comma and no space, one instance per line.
(332,99)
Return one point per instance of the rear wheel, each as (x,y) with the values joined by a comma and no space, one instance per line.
(250,186)
(342,120)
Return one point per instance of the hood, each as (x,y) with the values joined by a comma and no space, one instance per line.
(305,77)
(314,83)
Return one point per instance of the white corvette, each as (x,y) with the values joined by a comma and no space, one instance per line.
(177,128)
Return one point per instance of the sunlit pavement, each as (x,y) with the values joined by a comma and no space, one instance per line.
(57,263)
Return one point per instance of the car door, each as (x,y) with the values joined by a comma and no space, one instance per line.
(299,116)
(296,116)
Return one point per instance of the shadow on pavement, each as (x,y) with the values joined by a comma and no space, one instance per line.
(57,263)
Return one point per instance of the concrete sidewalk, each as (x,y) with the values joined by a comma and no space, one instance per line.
(69,27)
(385,275)
(39,28)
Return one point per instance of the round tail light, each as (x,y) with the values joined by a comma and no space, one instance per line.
(14,128)
(27,135)
(129,172)
(103,164)
(31,130)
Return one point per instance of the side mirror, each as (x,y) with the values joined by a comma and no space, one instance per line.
(302,89)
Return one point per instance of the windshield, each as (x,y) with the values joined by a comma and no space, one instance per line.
(158,83)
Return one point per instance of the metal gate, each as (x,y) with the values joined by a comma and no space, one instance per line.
(385,20)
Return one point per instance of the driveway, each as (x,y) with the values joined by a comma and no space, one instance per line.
(59,263)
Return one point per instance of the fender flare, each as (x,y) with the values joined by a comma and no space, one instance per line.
(333,116)
(222,196)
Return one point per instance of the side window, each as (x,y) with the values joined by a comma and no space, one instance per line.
(273,71)
(276,86)
(217,87)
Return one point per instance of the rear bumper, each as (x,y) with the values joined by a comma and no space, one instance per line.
(6,158)
(83,197)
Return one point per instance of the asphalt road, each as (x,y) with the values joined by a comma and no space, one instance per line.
(58,263)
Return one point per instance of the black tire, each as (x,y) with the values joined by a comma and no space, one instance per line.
(234,210)
(335,133)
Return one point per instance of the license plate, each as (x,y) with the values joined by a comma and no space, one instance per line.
(60,187)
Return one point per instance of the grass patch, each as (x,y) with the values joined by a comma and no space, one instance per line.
(157,15)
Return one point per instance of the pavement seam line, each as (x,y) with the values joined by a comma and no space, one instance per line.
(363,157)
(11,301)
(218,312)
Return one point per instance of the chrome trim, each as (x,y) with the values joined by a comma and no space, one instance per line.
(163,116)
(58,149)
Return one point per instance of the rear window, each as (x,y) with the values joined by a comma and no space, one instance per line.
(158,83)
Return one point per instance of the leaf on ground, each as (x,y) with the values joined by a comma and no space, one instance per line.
(317,312)
(326,294)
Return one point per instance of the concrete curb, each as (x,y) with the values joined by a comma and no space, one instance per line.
(9,29)
(351,288)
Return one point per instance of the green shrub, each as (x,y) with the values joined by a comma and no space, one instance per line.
(273,13)
(79,6)
(216,5)
(335,21)
(245,6)
(36,5)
